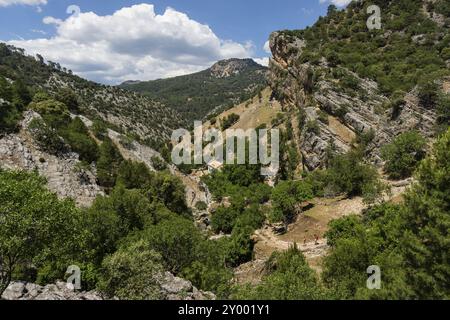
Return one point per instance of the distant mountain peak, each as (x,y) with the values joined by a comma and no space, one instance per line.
(210,91)
(230,67)
(131,82)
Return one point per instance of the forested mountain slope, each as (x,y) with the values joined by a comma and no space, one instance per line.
(138,116)
(195,96)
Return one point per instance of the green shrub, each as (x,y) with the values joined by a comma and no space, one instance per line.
(158,163)
(403,154)
(41,96)
(47,138)
(289,278)
(443,7)
(342,111)
(108,164)
(443,113)
(77,136)
(37,229)
(170,191)
(287,195)
(45,107)
(201,205)
(349,81)
(348,174)
(21,94)
(69,98)
(224,219)
(9,118)
(229,121)
(428,94)
(6,92)
(240,247)
(176,239)
(397,238)
(312,126)
(323,117)
(133,175)
(100,129)
(252,218)
(132,273)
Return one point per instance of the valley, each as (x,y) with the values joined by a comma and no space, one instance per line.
(87,177)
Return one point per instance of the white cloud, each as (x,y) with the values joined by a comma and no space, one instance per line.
(339,3)
(133,43)
(262,61)
(6,3)
(51,20)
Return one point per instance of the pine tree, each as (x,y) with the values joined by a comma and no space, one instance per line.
(427,220)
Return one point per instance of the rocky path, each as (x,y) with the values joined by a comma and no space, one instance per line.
(270,240)
(308,230)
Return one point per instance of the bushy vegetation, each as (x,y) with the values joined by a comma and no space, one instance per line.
(58,132)
(229,121)
(9,118)
(108,163)
(46,137)
(39,234)
(77,136)
(394,62)
(241,186)
(118,237)
(132,273)
(407,241)
(288,277)
(395,238)
(404,154)
(14,97)
(443,113)
(347,174)
(287,196)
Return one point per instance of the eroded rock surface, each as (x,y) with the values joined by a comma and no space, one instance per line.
(362,111)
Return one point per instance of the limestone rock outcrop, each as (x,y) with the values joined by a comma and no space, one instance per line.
(172,288)
(65,176)
(350,114)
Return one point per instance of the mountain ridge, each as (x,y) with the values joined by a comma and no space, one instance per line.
(127,112)
(203,94)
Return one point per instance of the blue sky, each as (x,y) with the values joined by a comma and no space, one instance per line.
(188,38)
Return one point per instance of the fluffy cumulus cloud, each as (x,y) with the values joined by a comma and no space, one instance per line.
(265,60)
(339,3)
(5,3)
(133,43)
(262,61)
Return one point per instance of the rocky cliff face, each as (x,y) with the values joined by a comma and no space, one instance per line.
(230,67)
(348,112)
(64,174)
